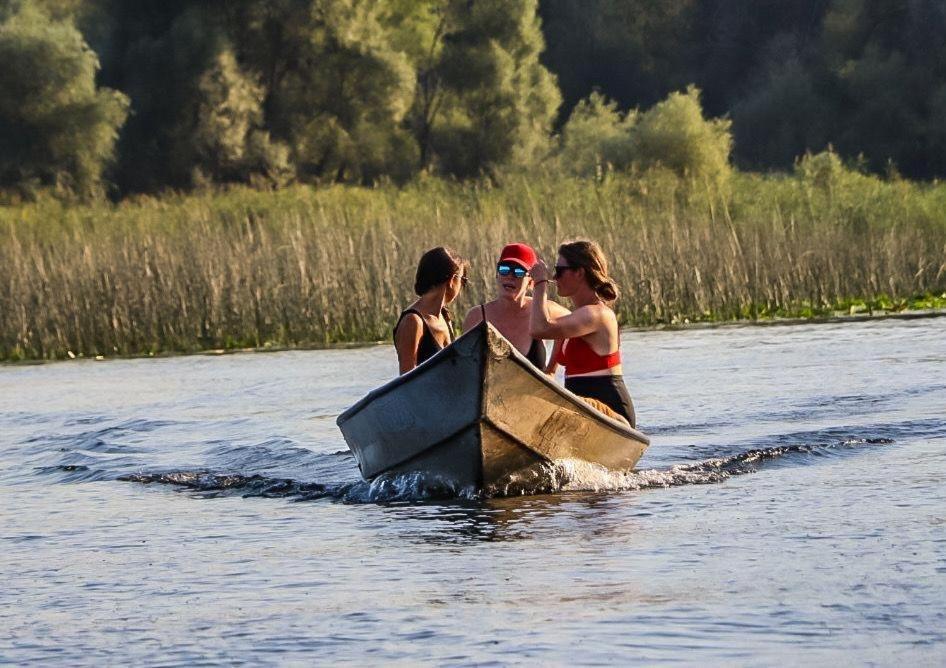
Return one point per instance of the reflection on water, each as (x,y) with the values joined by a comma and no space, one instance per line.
(493,519)
(196,509)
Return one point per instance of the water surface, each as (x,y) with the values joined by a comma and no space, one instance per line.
(792,508)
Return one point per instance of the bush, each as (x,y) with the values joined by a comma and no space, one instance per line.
(596,136)
(674,134)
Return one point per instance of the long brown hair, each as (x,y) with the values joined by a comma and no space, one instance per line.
(587,255)
(437,266)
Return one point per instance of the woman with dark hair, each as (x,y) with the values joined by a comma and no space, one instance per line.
(590,349)
(509,312)
(424,328)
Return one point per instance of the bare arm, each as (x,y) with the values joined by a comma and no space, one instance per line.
(406,341)
(577,323)
(544,325)
(555,310)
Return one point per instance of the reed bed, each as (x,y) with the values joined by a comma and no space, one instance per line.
(314,267)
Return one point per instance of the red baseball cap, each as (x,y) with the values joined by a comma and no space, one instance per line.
(521,254)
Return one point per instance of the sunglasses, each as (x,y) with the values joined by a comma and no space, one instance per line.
(561,269)
(503,269)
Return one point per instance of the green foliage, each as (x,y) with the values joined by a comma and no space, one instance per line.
(229,108)
(56,128)
(822,170)
(862,75)
(227,142)
(597,135)
(634,52)
(784,112)
(498,100)
(675,135)
(366,91)
(341,113)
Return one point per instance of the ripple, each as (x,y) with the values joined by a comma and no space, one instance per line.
(212,484)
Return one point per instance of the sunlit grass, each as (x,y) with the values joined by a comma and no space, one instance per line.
(307,267)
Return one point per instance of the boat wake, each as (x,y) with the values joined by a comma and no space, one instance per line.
(582,476)
(560,476)
(383,489)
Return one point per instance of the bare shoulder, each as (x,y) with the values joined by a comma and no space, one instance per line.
(411,326)
(473,317)
(606,313)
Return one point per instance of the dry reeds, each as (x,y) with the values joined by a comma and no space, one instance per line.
(313,267)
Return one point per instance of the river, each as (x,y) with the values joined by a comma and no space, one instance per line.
(204,509)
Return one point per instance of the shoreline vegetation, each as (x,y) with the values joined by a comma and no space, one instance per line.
(348,345)
(305,267)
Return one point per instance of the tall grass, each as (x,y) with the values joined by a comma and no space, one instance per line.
(311,267)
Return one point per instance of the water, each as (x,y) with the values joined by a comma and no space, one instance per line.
(791,509)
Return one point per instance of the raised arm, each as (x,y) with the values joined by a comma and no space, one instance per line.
(409,333)
(543,324)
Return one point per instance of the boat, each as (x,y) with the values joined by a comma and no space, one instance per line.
(479,415)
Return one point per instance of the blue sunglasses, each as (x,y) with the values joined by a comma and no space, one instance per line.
(504,270)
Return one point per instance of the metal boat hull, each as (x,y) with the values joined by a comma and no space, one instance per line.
(477,414)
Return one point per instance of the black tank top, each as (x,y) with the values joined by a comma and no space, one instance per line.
(536,353)
(428,346)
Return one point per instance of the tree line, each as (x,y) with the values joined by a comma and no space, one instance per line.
(866,76)
(138,97)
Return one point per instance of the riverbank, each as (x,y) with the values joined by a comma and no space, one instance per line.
(305,267)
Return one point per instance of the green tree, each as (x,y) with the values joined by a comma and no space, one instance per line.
(337,92)
(56,127)
(886,59)
(417,29)
(155,51)
(786,110)
(633,52)
(225,141)
(499,101)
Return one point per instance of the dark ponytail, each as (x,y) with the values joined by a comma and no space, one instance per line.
(437,266)
(587,255)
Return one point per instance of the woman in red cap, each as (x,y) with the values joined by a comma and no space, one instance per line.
(509,312)
(590,350)
(424,327)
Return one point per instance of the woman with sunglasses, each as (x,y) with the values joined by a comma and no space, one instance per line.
(509,312)
(590,350)
(424,328)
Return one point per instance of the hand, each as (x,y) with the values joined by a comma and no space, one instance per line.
(540,271)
